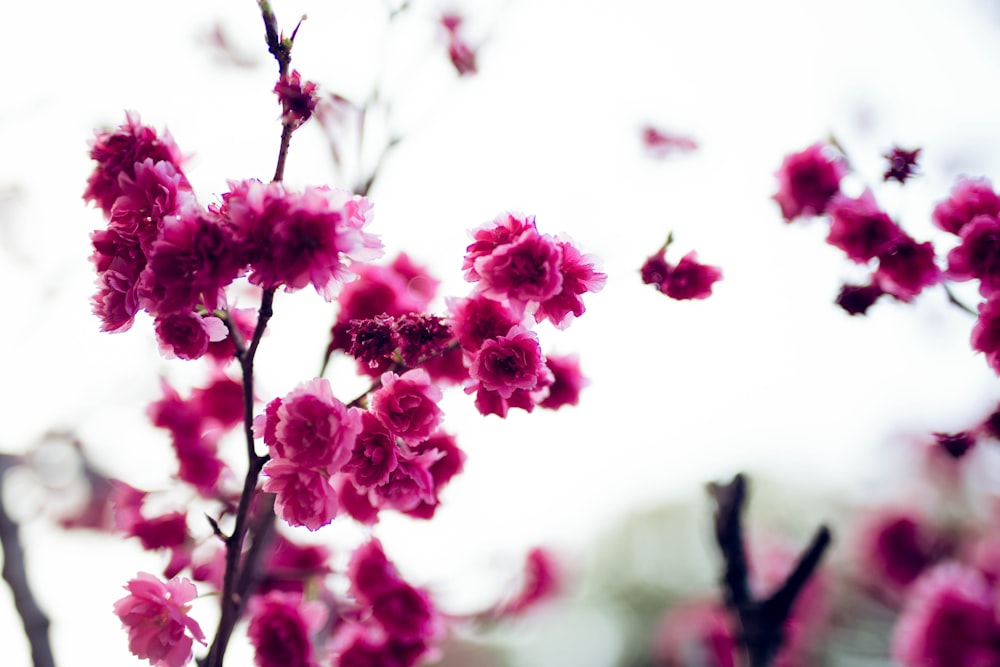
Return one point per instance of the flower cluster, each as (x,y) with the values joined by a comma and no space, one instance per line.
(809,184)
(395,623)
(164,254)
(899,266)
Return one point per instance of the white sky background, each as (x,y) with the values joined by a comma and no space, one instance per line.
(765,375)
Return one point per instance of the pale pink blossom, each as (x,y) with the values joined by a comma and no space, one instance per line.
(156,617)
(304,497)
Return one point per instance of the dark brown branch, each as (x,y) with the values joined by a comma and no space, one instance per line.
(36,623)
(761,621)
(956,302)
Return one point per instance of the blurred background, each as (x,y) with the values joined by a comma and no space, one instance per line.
(766,376)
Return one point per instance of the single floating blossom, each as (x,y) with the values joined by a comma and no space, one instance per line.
(156,617)
(460,53)
(660,144)
(807,181)
(857,299)
(689,279)
(906,268)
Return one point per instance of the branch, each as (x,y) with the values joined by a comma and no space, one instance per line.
(36,623)
(761,621)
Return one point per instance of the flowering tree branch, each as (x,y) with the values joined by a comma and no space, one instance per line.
(761,620)
(36,623)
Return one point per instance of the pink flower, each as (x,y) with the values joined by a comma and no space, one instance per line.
(978,254)
(119,263)
(298,100)
(660,144)
(294,239)
(462,56)
(699,628)
(117,154)
(374,456)
(280,628)
(906,268)
(524,272)
(305,497)
(420,337)
(860,228)
(189,264)
(294,567)
(893,548)
(986,332)
(949,620)
(969,198)
(447,460)
(407,405)
(503,230)
(478,319)
(689,279)
(187,335)
(509,363)
(311,427)
(568,382)
(541,581)
(370,572)
(152,192)
(406,613)
(156,617)
(902,164)
(807,181)
(857,299)
(409,486)
(578,277)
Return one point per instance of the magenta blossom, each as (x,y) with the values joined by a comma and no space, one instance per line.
(152,192)
(305,497)
(311,427)
(280,627)
(294,239)
(893,548)
(509,363)
(156,617)
(969,198)
(187,335)
(375,454)
(807,181)
(117,153)
(948,621)
(408,405)
(860,228)
(978,254)
(568,381)
(906,268)
(689,279)
(660,144)
(477,319)
(522,273)
(986,332)
(298,100)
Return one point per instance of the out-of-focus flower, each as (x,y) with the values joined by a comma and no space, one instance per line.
(969,198)
(156,617)
(902,164)
(807,181)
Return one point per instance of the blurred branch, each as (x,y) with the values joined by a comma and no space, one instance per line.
(761,621)
(36,623)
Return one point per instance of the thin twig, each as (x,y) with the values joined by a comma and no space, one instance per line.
(36,623)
